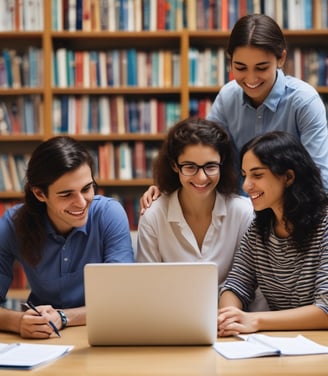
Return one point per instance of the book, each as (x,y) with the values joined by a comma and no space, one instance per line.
(139,160)
(104,115)
(95,15)
(16,69)
(61,58)
(79,15)
(259,345)
(86,15)
(4,167)
(79,69)
(138,15)
(28,356)
(5,124)
(124,161)
(17,184)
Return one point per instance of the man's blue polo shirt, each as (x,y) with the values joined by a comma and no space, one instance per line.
(58,278)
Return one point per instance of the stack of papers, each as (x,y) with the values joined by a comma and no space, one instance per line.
(27,356)
(256,345)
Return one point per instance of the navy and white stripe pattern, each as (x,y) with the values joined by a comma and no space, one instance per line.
(288,278)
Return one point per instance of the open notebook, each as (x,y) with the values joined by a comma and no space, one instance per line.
(151,303)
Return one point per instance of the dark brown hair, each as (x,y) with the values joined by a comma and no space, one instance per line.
(257,30)
(193,131)
(305,201)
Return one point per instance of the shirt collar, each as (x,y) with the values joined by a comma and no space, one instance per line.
(273,99)
(174,212)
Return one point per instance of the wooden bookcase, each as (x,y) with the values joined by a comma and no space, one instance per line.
(182,40)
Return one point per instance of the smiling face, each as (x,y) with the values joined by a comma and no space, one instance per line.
(199,184)
(68,199)
(263,187)
(255,71)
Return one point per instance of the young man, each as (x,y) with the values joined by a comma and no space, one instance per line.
(60,227)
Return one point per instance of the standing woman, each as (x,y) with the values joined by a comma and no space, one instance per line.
(285,250)
(262,99)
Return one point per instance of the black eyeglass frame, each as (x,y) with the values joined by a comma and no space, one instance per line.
(198,167)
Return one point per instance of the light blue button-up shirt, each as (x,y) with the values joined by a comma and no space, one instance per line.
(292,106)
(58,278)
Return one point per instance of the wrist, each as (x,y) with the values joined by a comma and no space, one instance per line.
(63,318)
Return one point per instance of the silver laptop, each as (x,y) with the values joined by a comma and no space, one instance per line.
(151,303)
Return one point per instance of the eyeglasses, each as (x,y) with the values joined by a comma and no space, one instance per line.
(191,169)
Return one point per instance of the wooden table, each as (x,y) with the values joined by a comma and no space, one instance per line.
(152,361)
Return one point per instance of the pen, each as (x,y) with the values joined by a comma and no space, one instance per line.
(29,304)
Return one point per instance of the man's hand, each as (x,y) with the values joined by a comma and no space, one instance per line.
(33,325)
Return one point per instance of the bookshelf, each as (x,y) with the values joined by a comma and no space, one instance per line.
(141,38)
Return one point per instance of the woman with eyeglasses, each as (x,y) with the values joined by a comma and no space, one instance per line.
(199,216)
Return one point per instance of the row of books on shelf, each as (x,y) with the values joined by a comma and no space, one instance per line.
(208,67)
(103,114)
(19,70)
(153,15)
(12,171)
(121,160)
(289,14)
(137,15)
(112,15)
(129,67)
(124,160)
(310,65)
(21,15)
(117,67)
(21,115)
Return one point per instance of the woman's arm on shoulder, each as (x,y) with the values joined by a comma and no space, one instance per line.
(148,197)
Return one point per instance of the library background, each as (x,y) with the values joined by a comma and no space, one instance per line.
(116,74)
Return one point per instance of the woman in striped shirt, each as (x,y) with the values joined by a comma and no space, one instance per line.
(285,250)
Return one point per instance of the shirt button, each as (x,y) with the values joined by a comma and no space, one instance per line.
(65,259)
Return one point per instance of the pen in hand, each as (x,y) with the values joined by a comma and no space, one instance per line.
(30,305)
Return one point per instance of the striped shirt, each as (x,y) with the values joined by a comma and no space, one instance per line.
(288,278)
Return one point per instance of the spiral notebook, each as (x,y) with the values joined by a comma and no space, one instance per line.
(151,303)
